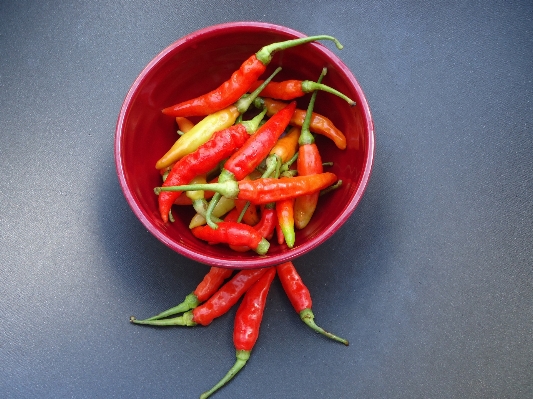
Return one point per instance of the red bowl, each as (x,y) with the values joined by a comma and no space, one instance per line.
(198,63)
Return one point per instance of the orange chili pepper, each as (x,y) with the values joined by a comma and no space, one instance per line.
(309,163)
(319,124)
(291,89)
(285,213)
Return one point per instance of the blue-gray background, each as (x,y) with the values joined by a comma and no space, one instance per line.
(431,280)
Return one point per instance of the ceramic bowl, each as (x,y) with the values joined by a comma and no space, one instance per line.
(198,63)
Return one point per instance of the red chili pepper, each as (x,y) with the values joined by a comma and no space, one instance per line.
(252,152)
(226,296)
(240,81)
(233,233)
(279,235)
(247,324)
(300,298)
(285,212)
(265,227)
(207,287)
(291,89)
(205,158)
(268,221)
(264,190)
(319,123)
(257,147)
(250,216)
(309,163)
(216,305)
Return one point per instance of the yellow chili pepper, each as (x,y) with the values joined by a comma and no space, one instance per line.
(286,146)
(199,194)
(198,135)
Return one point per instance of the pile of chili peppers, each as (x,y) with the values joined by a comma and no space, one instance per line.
(247,180)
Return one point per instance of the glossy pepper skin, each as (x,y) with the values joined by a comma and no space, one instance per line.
(265,227)
(233,233)
(217,305)
(263,191)
(319,123)
(291,89)
(198,135)
(309,162)
(300,298)
(240,81)
(285,213)
(247,325)
(226,296)
(201,161)
(224,95)
(252,152)
(257,147)
(207,287)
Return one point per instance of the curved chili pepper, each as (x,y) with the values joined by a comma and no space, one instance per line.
(247,324)
(240,81)
(233,233)
(265,227)
(309,162)
(207,287)
(291,89)
(201,161)
(217,305)
(319,123)
(300,298)
(204,130)
(198,135)
(285,212)
(253,151)
(184,124)
(264,190)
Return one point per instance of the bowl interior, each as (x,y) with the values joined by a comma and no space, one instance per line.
(197,64)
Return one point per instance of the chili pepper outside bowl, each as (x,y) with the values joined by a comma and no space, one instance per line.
(200,62)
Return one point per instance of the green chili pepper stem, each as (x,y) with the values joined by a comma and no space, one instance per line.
(273,163)
(242,358)
(245,101)
(309,86)
(186,319)
(307,317)
(331,188)
(253,124)
(190,302)
(263,247)
(264,55)
(286,166)
(306,137)
(209,214)
(289,173)
(200,206)
(244,209)
(224,176)
(229,189)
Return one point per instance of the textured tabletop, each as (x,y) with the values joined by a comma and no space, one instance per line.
(431,279)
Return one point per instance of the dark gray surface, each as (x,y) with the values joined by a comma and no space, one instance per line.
(430,280)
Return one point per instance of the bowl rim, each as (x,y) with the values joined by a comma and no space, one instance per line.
(257,261)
